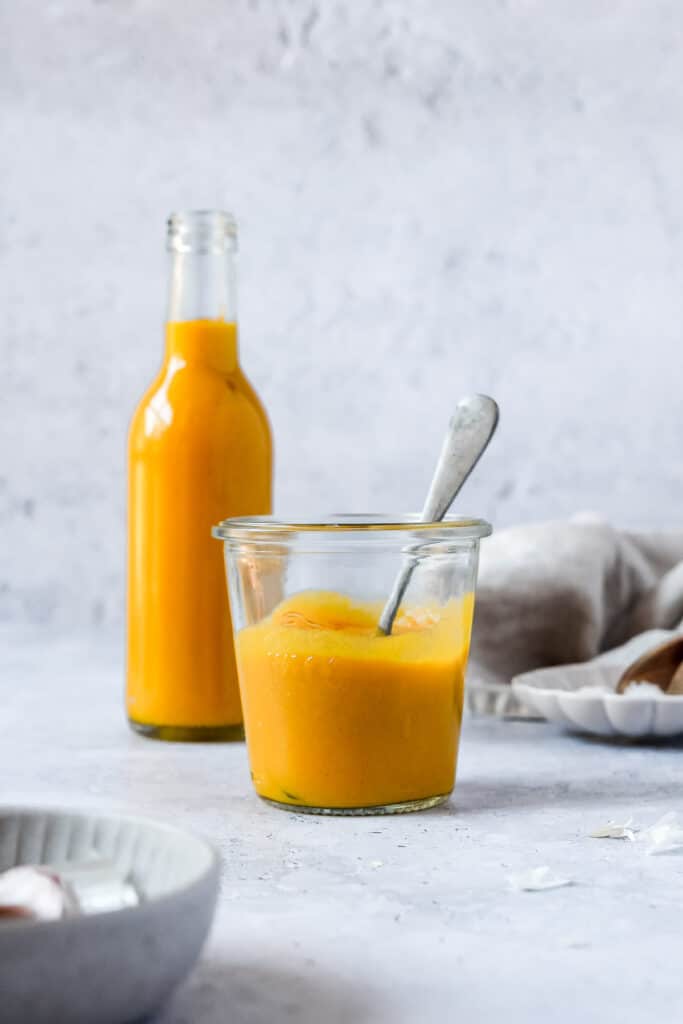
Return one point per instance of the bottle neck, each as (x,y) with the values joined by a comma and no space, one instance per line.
(202,287)
(210,344)
(201,327)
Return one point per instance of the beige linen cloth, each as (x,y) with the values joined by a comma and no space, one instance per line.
(564,592)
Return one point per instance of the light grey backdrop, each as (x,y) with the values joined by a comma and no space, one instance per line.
(433,197)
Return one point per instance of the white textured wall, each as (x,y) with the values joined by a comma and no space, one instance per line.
(433,197)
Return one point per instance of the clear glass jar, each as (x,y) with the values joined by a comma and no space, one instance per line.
(340,719)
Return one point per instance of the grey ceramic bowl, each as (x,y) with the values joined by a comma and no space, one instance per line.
(110,967)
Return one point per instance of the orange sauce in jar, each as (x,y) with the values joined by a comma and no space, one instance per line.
(339,717)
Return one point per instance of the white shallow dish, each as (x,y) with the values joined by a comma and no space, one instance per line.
(554,694)
(497,699)
(110,967)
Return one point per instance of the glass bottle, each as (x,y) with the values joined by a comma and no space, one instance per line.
(199,450)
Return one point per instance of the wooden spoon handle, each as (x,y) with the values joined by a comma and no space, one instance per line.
(676,684)
(658,666)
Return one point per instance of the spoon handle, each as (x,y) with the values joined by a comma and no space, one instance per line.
(471,428)
(469,431)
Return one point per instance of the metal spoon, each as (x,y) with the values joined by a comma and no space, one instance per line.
(469,432)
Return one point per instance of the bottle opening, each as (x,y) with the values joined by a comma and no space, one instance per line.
(210,231)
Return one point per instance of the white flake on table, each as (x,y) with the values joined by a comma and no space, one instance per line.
(537,880)
(615,830)
(665,836)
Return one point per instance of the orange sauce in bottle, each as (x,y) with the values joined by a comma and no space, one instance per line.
(199,450)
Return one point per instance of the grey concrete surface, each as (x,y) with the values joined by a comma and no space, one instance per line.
(433,198)
(405,920)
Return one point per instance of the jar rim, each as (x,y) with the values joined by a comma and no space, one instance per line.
(460,527)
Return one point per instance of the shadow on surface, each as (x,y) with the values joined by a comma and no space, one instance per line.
(651,743)
(632,773)
(472,797)
(246,993)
